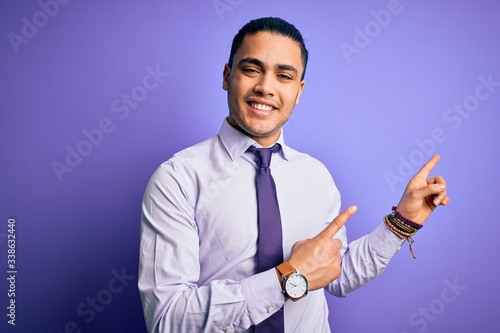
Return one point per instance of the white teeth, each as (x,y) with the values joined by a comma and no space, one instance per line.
(261,107)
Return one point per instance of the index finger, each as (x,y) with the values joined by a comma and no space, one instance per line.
(427,168)
(337,223)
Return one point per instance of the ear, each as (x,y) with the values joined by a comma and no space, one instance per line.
(225,77)
(301,88)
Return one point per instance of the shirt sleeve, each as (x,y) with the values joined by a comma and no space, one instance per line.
(363,259)
(169,269)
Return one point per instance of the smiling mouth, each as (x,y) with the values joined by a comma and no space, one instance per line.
(261,107)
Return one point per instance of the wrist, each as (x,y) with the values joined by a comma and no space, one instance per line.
(294,285)
(402,227)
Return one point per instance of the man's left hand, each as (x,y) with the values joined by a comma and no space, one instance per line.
(422,195)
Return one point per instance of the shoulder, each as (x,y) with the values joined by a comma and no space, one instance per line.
(180,174)
(197,164)
(199,151)
(193,156)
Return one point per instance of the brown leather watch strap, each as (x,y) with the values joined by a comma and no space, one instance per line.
(285,268)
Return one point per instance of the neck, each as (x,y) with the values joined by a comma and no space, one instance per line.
(264,141)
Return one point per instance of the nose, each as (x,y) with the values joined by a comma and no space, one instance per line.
(265,85)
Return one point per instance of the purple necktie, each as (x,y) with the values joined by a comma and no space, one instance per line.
(270,240)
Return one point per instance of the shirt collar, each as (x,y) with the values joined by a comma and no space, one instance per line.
(237,143)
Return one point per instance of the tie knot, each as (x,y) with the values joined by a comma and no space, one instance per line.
(264,154)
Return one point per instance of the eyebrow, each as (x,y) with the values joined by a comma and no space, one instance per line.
(259,63)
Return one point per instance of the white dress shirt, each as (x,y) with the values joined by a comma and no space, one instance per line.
(199,239)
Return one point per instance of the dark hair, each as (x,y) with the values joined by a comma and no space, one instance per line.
(269,24)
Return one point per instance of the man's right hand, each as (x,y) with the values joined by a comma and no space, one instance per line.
(319,258)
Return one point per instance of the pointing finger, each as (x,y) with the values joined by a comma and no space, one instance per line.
(427,168)
(332,228)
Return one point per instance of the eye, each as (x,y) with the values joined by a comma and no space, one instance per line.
(285,77)
(250,70)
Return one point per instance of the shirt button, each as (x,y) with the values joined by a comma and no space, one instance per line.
(270,309)
(227,331)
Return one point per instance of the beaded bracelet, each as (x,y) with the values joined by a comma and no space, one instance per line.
(395,229)
(400,224)
(405,220)
(400,233)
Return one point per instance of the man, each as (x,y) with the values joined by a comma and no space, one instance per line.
(200,239)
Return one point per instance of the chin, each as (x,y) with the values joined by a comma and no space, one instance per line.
(261,132)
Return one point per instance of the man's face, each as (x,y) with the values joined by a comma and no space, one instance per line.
(264,85)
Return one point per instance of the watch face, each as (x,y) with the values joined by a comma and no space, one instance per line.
(296,285)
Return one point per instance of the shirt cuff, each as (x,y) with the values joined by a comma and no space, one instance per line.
(384,242)
(263,295)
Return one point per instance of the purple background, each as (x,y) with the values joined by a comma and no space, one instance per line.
(361,114)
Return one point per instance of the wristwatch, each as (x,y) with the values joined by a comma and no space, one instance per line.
(295,285)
